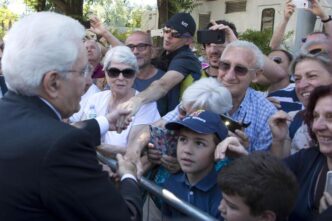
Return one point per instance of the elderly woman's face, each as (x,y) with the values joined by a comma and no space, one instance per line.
(308,75)
(120,77)
(322,124)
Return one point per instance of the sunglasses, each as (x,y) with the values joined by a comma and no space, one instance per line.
(126,73)
(175,34)
(238,69)
(140,47)
(277,60)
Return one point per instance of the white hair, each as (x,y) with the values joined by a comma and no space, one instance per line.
(120,54)
(37,44)
(208,94)
(259,56)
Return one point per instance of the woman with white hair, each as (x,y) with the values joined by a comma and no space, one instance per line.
(120,66)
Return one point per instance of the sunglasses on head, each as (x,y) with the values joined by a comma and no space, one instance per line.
(174,33)
(140,47)
(277,60)
(238,69)
(115,72)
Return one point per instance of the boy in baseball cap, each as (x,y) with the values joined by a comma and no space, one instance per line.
(199,134)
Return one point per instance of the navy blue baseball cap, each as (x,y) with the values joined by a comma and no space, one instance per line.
(183,23)
(202,122)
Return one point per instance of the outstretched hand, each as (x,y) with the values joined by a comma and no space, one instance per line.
(114,115)
(96,26)
(230,147)
(128,109)
(278,125)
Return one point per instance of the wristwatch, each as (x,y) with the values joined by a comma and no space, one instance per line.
(327,20)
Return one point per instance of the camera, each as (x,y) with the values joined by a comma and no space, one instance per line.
(211,36)
(233,125)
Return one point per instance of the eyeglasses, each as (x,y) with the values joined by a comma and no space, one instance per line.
(126,73)
(175,34)
(140,47)
(238,69)
(85,72)
(277,60)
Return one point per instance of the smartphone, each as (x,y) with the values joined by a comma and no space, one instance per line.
(211,36)
(301,3)
(231,124)
(164,140)
(328,183)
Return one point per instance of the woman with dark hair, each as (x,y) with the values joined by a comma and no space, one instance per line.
(310,165)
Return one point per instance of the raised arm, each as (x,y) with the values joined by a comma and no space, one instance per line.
(98,28)
(279,33)
(317,10)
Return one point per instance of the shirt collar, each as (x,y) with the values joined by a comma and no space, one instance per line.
(204,184)
(51,106)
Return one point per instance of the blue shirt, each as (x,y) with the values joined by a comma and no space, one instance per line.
(288,98)
(205,195)
(164,104)
(257,110)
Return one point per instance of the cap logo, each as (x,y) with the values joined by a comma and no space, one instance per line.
(184,24)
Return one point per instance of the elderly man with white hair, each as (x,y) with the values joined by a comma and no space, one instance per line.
(239,63)
(49,169)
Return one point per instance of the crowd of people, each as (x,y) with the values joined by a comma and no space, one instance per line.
(196,128)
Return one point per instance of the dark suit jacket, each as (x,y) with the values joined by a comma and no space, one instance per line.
(49,169)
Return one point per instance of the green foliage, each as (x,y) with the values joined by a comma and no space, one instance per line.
(115,13)
(259,38)
(7,18)
(183,5)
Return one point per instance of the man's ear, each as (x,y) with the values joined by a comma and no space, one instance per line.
(268,215)
(51,84)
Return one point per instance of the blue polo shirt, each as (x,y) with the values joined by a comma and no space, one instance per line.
(205,195)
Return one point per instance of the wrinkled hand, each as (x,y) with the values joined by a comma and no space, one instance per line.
(241,136)
(125,166)
(154,155)
(325,202)
(170,163)
(278,125)
(96,26)
(230,147)
(143,165)
(317,10)
(114,115)
(229,34)
(130,107)
(289,9)
(275,102)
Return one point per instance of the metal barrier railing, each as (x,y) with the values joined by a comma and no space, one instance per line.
(166,195)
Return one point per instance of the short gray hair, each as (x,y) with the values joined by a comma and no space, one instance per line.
(37,44)
(120,54)
(322,57)
(259,56)
(208,94)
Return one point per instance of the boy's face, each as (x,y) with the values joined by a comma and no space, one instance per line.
(195,153)
(233,208)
